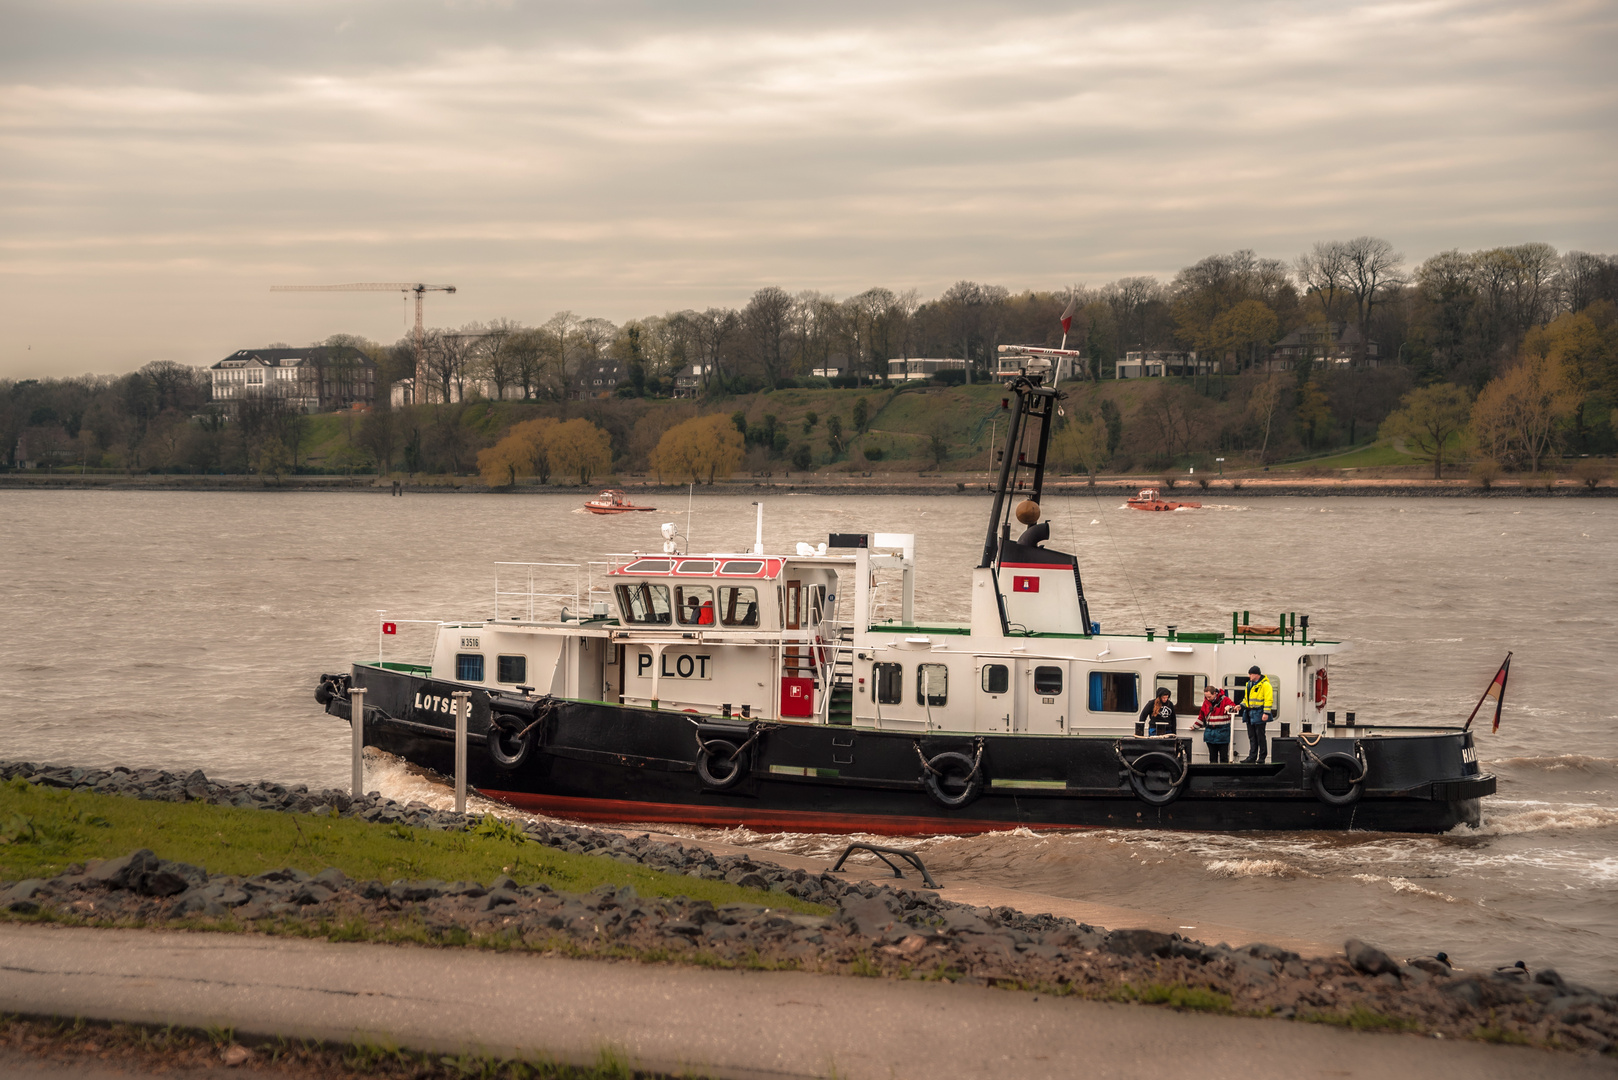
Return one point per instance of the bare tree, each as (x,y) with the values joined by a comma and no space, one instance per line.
(498,357)
(768,321)
(1373,268)
(449,358)
(1128,298)
(715,330)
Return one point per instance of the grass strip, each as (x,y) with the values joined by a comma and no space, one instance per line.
(43,830)
(155,1050)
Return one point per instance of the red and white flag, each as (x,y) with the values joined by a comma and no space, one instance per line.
(1496,691)
(1067,314)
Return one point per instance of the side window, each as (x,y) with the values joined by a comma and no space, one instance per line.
(1114,691)
(511,669)
(738,605)
(996,678)
(1047,681)
(888,683)
(1185,690)
(469,667)
(645,603)
(1236,687)
(694,603)
(932,685)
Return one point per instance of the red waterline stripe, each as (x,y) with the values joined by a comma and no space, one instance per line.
(753,818)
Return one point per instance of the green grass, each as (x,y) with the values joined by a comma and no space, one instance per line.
(42,830)
(173,1050)
(1377,455)
(1178,996)
(1360,1018)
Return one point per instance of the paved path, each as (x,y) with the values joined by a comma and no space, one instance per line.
(1032,903)
(721,1023)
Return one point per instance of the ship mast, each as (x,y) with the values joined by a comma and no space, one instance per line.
(1035,403)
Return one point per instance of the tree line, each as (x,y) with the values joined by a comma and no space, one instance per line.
(1464,319)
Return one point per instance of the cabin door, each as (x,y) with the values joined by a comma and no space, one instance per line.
(1049,696)
(797,661)
(996,695)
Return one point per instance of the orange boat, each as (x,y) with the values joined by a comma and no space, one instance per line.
(613,501)
(1148,500)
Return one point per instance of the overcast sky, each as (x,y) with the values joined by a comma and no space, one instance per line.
(163,164)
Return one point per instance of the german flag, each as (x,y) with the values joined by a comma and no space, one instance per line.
(1496,691)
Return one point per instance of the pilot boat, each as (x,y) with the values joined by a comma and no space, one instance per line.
(613,501)
(755,689)
(1148,499)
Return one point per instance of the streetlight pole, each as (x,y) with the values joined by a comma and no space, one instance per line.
(1221,467)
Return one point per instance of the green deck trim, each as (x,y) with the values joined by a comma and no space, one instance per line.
(795,770)
(408,669)
(1030,785)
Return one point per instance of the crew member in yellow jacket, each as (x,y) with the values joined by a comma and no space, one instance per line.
(1258,705)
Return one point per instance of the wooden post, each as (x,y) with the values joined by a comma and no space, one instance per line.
(463,707)
(356,709)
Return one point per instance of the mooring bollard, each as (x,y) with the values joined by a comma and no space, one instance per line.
(463,709)
(356,710)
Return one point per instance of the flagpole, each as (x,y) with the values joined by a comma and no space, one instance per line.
(1468,725)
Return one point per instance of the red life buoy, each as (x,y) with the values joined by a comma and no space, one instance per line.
(1320,688)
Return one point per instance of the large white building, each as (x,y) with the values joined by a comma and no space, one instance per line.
(904,369)
(314,379)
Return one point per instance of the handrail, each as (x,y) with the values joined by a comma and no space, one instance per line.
(531,594)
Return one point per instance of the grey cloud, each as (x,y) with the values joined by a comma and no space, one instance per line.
(623,159)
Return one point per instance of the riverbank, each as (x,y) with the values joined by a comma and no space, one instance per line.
(873,930)
(875,483)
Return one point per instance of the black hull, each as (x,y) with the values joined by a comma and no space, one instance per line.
(599,762)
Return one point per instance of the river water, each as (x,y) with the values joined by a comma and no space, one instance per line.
(185,630)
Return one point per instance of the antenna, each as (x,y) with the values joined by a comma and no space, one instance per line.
(690,527)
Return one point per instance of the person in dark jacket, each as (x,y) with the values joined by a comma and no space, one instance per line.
(1214,719)
(1158,716)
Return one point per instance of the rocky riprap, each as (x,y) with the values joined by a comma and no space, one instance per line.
(876,930)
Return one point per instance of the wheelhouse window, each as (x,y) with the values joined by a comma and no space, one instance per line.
(735,566)
(1047,681)
(996,678)
(932,685)
(1114,691)
(738,605)
(694,604)
(888,683)
(511,669)
(1184,690)
(645,604)
(468,667)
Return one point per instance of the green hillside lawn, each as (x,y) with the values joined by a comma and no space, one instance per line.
(42,830)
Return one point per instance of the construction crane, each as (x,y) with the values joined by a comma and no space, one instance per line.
(418,388)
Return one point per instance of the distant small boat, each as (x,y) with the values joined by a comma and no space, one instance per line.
(613,501)
(1148,500)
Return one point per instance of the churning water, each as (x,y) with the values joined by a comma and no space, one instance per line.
(185,630)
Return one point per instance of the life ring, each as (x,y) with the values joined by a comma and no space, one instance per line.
(953,780)
(1321,687)
(1356,785)
(721,763)
(1172,764)
(510,740)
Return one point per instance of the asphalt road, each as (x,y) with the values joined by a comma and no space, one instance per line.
(674,1019)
